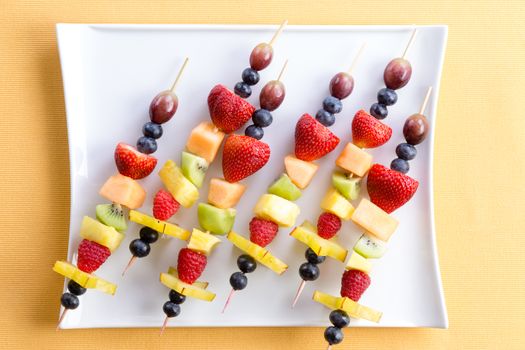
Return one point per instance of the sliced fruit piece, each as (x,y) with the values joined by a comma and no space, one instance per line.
(300,171)
(369,132)
(199,284)
(354,160)
(224,194)
(205,140)
(335,203)
(123,190)
(202,242)
(277,209)
(216,220)
(358,262)
(194,168)
(189,290)
(227,110)
(284,187)
(181,188)
(95,231)
(112,215)
(313,140)
(259,253)
(158,225)
(370,247)
(133,163)
(307,234)
(349,306)
(84,279)
(373,219)
(243,156)
(349,187)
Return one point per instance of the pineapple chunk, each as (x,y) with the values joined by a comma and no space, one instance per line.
(352,308)
(203,242)
(123,190)
(181,188)
(205,141)
(96,231)
(375,220)
(354,160)
(158,225)
(277,209)
(224,194)
(336,204)
(84,279)
(259,253)
(307,234)
(199,284)
(299,171)
(358,262)
(189,290)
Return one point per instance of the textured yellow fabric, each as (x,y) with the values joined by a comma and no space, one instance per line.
(479,171)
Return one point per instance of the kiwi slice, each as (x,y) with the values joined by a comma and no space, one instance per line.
(216,220)
(370,247)
(194,168)
(285,188)
(349,187)
(112,215)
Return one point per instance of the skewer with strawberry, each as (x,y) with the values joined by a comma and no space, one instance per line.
(103,235)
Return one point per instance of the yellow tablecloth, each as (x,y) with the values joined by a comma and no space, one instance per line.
(479,171)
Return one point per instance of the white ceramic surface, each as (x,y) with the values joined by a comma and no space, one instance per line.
(111,73)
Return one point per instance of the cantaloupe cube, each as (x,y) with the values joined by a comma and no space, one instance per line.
(373,219)
(277,209)
(205,140)
(299,171)
(224,194)
(333,202)
(123,190)
(354,160)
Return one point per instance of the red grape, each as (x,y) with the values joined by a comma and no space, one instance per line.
(415,129)
(163,107)
(272,95)
(341,85)
(261,56)
(397,73)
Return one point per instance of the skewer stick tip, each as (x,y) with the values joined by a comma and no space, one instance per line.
(130,263)
(278,32)
(425,101)
(228,300)
(356,58)
(181,70)
(164,324)
(410,41)
(62,316)
(282,70)
(298,294)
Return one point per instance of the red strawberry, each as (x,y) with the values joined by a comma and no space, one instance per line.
(368,132)
(262,232)
(328,225)
(190,265)
(228,111)
(91,255)
(132,163)
(242,156)
(389,189)
(354,283)
(313,140)
(164,205)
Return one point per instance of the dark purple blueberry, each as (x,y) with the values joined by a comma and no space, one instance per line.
(387,96)
(333,335)
(324,117)
(148,235)
(313,258)
(152,130)
(139,248)
(332,105)
(339,318)
(242,89)
(254,131)
(406,151)
(400,165)
(238,281)
(378,111)
(146,145)
(69,301)
(75,288)
(171,309)
(250,76)
(176,297)
(309,271)
(262,118)
(246,263)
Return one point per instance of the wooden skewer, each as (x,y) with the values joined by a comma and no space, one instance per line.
(410,43)
(130,263)
(164,324)
(425,101)
(279,31)
(282,70)
(298,294)
(329,347)
(356,58)
(228,300)
(174,86)
(61,318)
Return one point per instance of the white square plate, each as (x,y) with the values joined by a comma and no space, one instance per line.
(111,73)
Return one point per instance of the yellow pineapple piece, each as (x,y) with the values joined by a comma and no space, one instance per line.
(279,210)
(352,308)
(336,204)
(375,220)
(205,141)
(199,284)
(354,160)
(358,262)
(299,171)
(96,231)
(158,225)
(190,290)
(123,190)
(224,194)
(203,242)
(84,279)
(307,234)
(181,188)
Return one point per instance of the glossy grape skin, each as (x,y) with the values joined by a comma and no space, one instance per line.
(261,56)
(397,73)
(415,129)
(163,107)
(341,85)
(272,95)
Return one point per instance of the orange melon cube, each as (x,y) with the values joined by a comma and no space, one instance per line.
(374,220)
(123,190)
(299,171)
(205,140)
(224,194)
(354,160)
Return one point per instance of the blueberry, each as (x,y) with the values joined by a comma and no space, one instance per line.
(325,118)
(406,151)
(309,271)
(75,288)
(313,258)
(139,248)
(246,263)
(332,104)
(333,335)
(339,318)
(171,309)
(250,76)
(238,281)
(242,89)
(379,111)
(387,97)
(153,130)
(262,118)
(176,297)
(146,145)
(148,235)
(254,131)
(69,301)
(400,165)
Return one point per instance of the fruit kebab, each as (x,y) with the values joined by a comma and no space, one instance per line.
(354,162)
(313,140)
(229,111)
(389,189)
(102,236)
